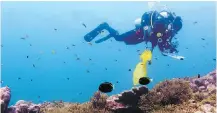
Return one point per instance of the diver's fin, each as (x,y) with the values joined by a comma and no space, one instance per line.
(91,35)
(103,39)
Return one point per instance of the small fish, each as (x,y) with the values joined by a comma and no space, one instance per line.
(23,38)
(27,56)
(80,93)
(129,70)
(195,22)
(90,43)
(181,58)
(138,50)
(67,78)
(106,69)
(39,96)
(84,25)
(168,64)
(119,49)
(1,45)
(90,59)
(214,59)
(78,59)
(53,52)
(202,38)
(33,65)
(117,82)
(30,44)
(55,29)
(149,62)
(144,80)
(67,47)
(111,40)
(1,82)
(64,62)
(88,71)
(116,60)
(31,80)
(73,44)
(1,64)
(186,48)
(19,78)
(106,87)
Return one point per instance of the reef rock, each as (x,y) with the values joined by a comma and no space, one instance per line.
(127,99)
(5,94)
(24,107)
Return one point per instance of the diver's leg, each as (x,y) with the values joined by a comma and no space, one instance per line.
(116,36)
(91,35)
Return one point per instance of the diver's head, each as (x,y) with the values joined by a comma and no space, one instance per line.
(177,24)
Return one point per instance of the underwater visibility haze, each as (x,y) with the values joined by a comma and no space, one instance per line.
(45,56)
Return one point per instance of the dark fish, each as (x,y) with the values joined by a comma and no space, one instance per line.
(144,80)
(22,38)
(106,69)
(27,56)
(55,29)
(181,58)
(106,87)
(149,62)
(117,82)
(202,38)
(198,76)
(116,60)
(67,78)
(39,97)
(31,80)
(84,25)
(67,47)
(90,59)
(119,49)
(19,78)
(156,58)
(129,70)
(214,59)
(111,40)
(186,48)
(88,71)
(64,62)
(1,45)
(195,22)
(168,64)
(33,65)
(138,50)
(80,93)
(78,59)
(73,45)
(30,44)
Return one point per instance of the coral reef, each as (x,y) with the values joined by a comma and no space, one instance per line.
(179,95)
(24,107)
(5,94)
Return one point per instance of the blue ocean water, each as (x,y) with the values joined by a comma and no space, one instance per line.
(52,27)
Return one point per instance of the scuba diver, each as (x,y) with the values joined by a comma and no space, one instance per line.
(159,28)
